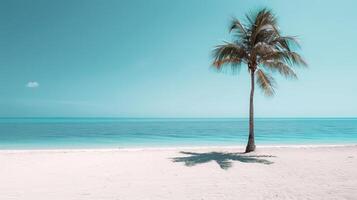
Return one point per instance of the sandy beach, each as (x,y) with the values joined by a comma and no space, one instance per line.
(180,173)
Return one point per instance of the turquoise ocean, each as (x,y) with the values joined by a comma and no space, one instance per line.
(68,133)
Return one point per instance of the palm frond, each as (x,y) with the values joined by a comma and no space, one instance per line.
(265,82)
(295,59)
(238,26)
(228,53)
(286,42)
(240,31)
(281,67)
(264,25)
(290,57)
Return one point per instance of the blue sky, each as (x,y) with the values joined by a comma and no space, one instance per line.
(151,59)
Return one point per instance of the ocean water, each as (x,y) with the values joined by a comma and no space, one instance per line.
(55,133)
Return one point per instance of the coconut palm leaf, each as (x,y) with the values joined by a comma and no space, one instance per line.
(264,21)
(265,82)
(281,67)
(236,25)
(289,57)
(286,42)
(229,53)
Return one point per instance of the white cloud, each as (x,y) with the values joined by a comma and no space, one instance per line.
(32,84)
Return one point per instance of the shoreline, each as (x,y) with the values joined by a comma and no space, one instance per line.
(125,149)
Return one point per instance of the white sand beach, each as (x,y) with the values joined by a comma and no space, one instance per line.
(177,174)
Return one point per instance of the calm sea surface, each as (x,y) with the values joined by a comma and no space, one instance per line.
(52,133)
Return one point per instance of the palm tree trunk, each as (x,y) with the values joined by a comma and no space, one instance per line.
(251,144)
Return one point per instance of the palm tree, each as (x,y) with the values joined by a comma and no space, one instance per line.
(259,45)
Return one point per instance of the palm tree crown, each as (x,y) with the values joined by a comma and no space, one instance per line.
(259,44)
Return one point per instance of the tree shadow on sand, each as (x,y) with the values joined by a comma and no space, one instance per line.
(224,160)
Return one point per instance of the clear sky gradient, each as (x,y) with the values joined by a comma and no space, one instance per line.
(137,58)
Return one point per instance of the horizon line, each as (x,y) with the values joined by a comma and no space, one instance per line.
(165,117)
